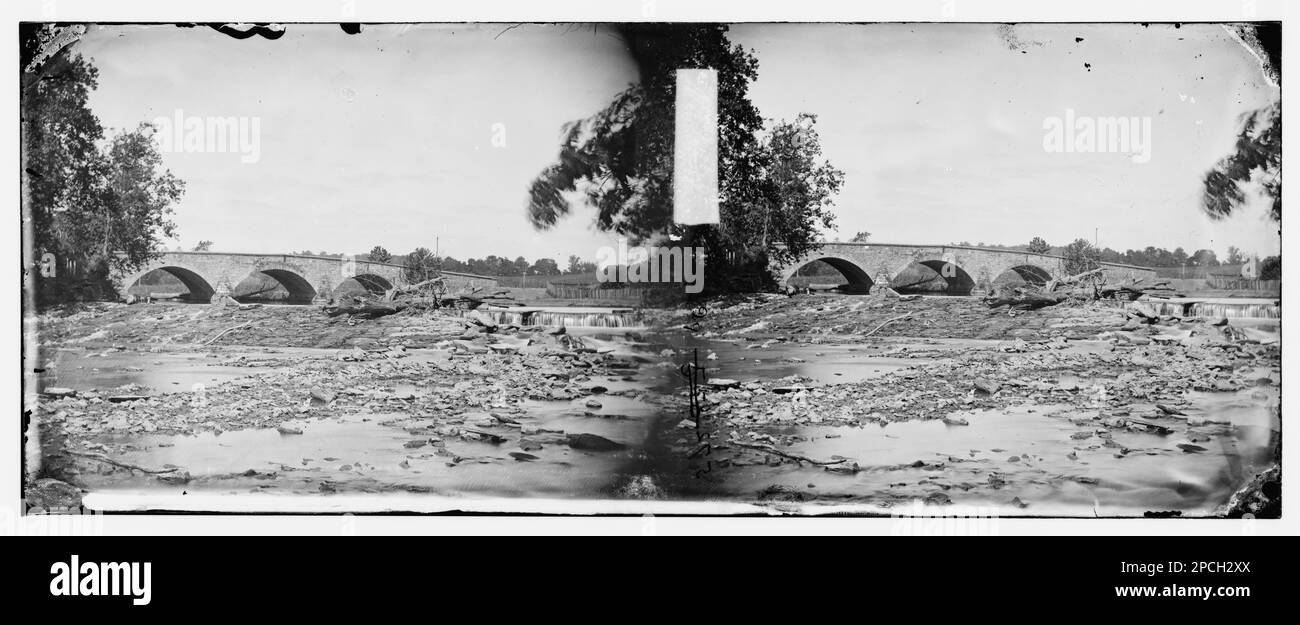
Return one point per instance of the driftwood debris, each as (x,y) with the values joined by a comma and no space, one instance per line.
(475,298)
(226,331)
(887,322)
(367,309)
(1088,285)
(1057,282)
(768,449)
(1026,300)
(431,284)
(422,296)
(124,465)
(1135,289)
(1051,294)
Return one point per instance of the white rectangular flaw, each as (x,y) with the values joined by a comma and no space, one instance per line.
(695,148)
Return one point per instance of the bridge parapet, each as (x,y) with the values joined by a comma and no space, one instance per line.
(969,268)
(306,278)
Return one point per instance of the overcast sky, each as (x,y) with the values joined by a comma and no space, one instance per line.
(388,137)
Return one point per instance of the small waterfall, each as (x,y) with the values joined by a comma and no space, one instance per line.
(1212,309)
(1216,310)
(559,317)
(506,318)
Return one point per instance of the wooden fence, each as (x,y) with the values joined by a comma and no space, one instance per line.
(1243,284)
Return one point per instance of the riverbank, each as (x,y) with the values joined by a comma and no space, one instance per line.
(419,403)
(815,403)
(165,326)
(855,319)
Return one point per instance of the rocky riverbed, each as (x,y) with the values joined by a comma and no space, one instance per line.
(857,319)
(1051,412)
(813,402)
(428,393)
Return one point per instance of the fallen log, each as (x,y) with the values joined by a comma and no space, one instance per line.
(269,289)
(474,298)
(1027,301)
(224,332)
(887,322)
(768,449)
(124,465)
(1134,289)
(392,293)
(368,310)
(1160,429)
(1056,282)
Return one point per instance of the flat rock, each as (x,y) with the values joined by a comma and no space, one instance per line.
(593,442)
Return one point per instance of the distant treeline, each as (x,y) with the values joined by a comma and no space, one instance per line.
(1194,264)
(492,265)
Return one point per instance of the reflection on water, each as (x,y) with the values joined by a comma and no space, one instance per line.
(769,360)
(1050,458)
(1028,453)
(164,372)
(827,365)
(371,454)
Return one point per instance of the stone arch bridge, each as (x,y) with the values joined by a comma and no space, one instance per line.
(963,268)
(306,278)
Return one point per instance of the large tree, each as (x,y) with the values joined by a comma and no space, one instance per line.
(577,265)
(774,189)
(1204,258)
(1257,155)
(95,202)
(421,265)
(1038,245)
(379,254)
(1081,256)
(546,267)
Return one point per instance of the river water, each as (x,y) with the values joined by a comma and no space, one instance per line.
(366,453)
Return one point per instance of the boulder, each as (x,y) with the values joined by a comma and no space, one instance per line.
(593,442)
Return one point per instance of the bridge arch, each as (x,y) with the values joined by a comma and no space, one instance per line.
(857,278)
(200,289)
(1027,273)
(931,276)
(368,282)
(298,287)
(983,266)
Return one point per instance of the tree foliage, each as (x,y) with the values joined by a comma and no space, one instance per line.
(546,267)
(1270,268)
(774,189)
(380,255)
(1204,258)
(1258,151)
(420,265)
(796,191)
(577,265)
(1257,155)
(1039,245)
(95,201)
(1081,256)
